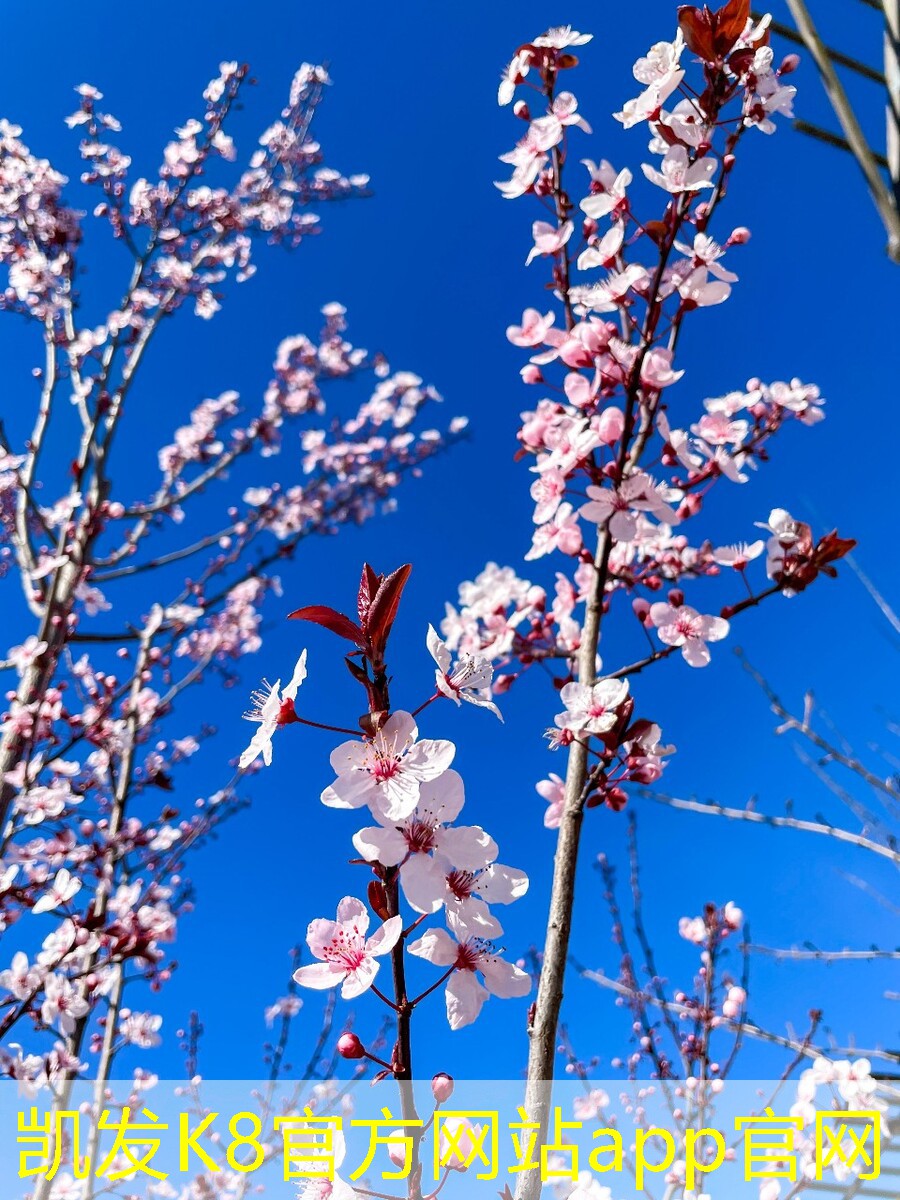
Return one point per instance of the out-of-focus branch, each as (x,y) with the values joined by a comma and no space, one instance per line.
(744,1027)
(884,199)
(711,809)
(825,955)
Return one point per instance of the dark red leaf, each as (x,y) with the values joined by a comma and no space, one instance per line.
(696,25)
(831,548)
(378,899)
(730,22)
(383,610)
(330,618)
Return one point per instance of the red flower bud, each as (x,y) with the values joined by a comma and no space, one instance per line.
(349,1046)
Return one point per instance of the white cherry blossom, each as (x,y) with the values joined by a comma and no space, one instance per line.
(386,772)
(347,956)
(268,713)
(470,679)
(470,957)
(685,627)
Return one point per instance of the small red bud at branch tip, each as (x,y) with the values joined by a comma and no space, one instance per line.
(349,1046)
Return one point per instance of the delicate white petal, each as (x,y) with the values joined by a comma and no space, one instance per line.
(467,846)
(438,650)
(319,934)
(503,979)
(290,692)
(319,975)
(376,844)
(465,998)
(353,912)
(502,885)
(436,946)
(475,919)
(423,883)
(383,940)
(360,980)
(441,800)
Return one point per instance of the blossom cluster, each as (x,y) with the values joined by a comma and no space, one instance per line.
(619,473)
(93,842)
(407,785)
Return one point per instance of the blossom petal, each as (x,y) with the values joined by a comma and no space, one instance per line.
(438,650)
(353,912)
(465,998)
(319,975)
(504,979)
(360,980)
(423,883)
(377,844)
(290,692)
(384,939)
(467,846)
(436,946)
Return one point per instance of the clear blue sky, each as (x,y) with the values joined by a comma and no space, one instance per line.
(432,271)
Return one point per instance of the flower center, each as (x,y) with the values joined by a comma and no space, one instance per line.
(420,837)
(689,627)
(345,949)
(461,884)
(385,768)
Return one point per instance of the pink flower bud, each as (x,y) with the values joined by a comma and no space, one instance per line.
(610,425)
(349,1046)
(641,610)
(739,236)
(789,63)
(521,110)
(531,374)
(396,1148)
(442,1087)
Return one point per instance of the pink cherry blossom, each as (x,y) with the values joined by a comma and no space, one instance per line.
(469,956)
(562,533)
(63,889)
(533,329)
(429,829)
(271,709)
(347,956)
(739,555)
(548,239)
(618,506)
(685,627)
(677,174)
(612,194)
(387,771)
(553,790)
(469,680)
(561,37)
(432,883)
(592,708)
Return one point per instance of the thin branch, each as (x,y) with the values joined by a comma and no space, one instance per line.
(711,809)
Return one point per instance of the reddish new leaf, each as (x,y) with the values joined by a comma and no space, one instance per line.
(712,35)
(368,586)
(730,23)
(696,25)
(330,618)
(383,609)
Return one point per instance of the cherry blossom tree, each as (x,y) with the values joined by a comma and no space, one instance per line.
(624,465)
(621,469)
(129,602)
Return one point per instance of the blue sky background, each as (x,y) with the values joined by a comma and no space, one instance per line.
(432,271)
